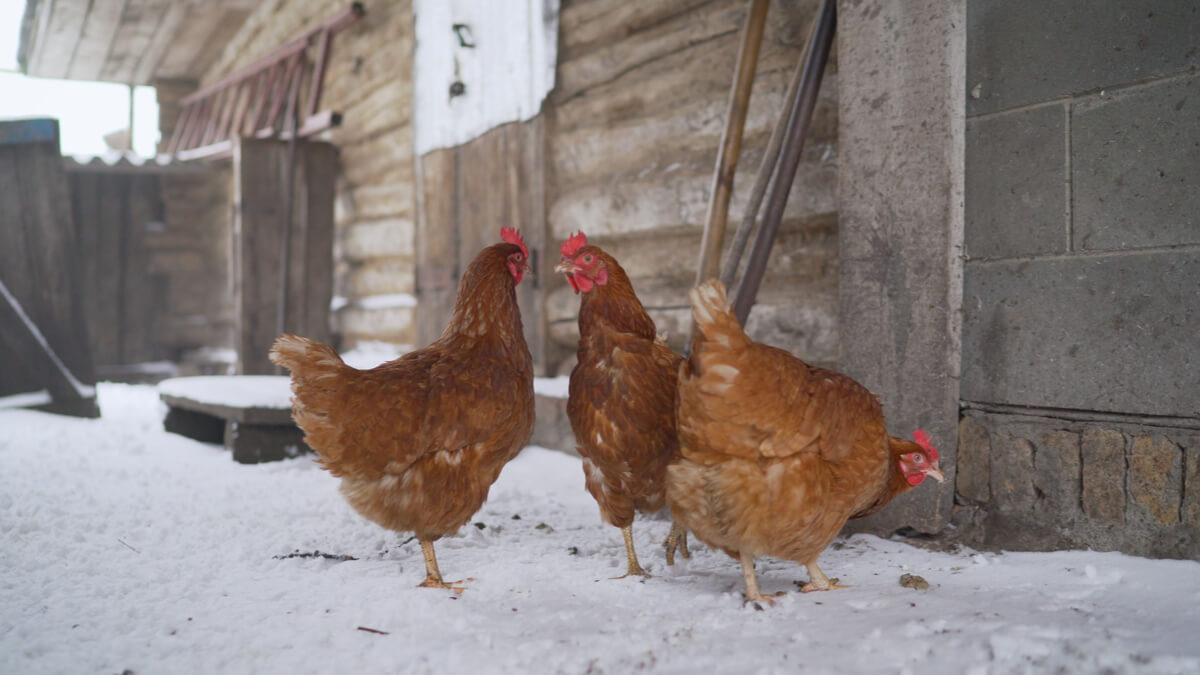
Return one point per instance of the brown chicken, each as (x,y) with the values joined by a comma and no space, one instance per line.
(621,397)
(778,454)
(418,441)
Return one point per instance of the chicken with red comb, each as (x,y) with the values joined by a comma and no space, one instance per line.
(621,399)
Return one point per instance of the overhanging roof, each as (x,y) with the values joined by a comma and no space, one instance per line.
(127,41)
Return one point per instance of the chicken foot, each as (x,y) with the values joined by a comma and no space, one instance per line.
(677,539)
(631,555)
(752,592)
(433,576)
(817,580)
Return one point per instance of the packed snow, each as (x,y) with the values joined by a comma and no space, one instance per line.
(128,548)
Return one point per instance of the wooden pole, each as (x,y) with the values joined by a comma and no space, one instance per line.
(731,141)
(766,169)
(815,56)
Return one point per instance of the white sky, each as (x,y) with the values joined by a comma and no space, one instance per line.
(86,110)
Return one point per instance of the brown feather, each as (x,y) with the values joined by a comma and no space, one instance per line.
(419,440)
(776,454)
(621,400)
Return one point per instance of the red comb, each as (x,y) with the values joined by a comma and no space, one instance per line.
(572,245)
(513,236)
(922,440)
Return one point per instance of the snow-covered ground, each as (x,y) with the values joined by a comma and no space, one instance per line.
(125,547)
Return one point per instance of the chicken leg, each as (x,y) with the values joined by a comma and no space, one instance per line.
(817,581)
(677,539)
(433,576)
(752,592)
(631,555)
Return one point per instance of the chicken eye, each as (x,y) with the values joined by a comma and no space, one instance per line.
(518,257)
(917,459)
(587,258)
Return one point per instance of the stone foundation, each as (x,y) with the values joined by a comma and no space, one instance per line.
(1026,482)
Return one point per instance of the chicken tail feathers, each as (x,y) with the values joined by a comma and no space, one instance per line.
(317,371)
(307,359)
(712,316)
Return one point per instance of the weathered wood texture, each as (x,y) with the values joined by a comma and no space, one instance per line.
(129,41)
(192,253)
(261,225)
(632,134)
(40,267)
(114,215)
(368,80)
(468,194)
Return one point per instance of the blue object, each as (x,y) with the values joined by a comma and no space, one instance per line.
(15,132)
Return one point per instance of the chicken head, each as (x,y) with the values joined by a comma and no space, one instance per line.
(579,263)
(920,459)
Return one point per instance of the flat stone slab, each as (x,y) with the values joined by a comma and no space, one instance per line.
(250,414)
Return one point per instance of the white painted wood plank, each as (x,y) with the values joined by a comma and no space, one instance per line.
(505,74)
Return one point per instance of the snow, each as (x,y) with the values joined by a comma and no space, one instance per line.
(242,391)
(552,387)
(126,547)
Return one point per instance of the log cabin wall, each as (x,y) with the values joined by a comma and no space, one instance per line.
(632,132)
(368,79)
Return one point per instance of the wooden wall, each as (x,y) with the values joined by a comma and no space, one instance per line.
(154,258)
(43,326)
(632,131)
(369,81)
(114,213)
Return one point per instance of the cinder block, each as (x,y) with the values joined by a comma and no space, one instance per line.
(1135,166)
(1103,454)
(1112,333)
(1012,473)
(974,458)
(1155,469)
(1016,190)
(1057,473)
(1017,51)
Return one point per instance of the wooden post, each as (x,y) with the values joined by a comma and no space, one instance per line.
(731,142)
(260,173)
(43,330)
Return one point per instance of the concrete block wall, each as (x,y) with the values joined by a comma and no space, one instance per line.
(1081,326)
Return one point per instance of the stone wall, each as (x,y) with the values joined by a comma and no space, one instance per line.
(1082,279)
(1041,483)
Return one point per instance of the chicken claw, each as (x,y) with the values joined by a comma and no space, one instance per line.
(752,592)
(677,539)
(433,576)
(818,581)
(631,555)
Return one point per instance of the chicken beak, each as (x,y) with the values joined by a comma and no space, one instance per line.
(936,474)
(568,269)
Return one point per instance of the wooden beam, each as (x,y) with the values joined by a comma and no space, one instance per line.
(163,39)
(96,42)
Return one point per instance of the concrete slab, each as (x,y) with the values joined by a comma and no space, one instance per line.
(1016,184)
(1026,51)
(1135,167)
(1106,333)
